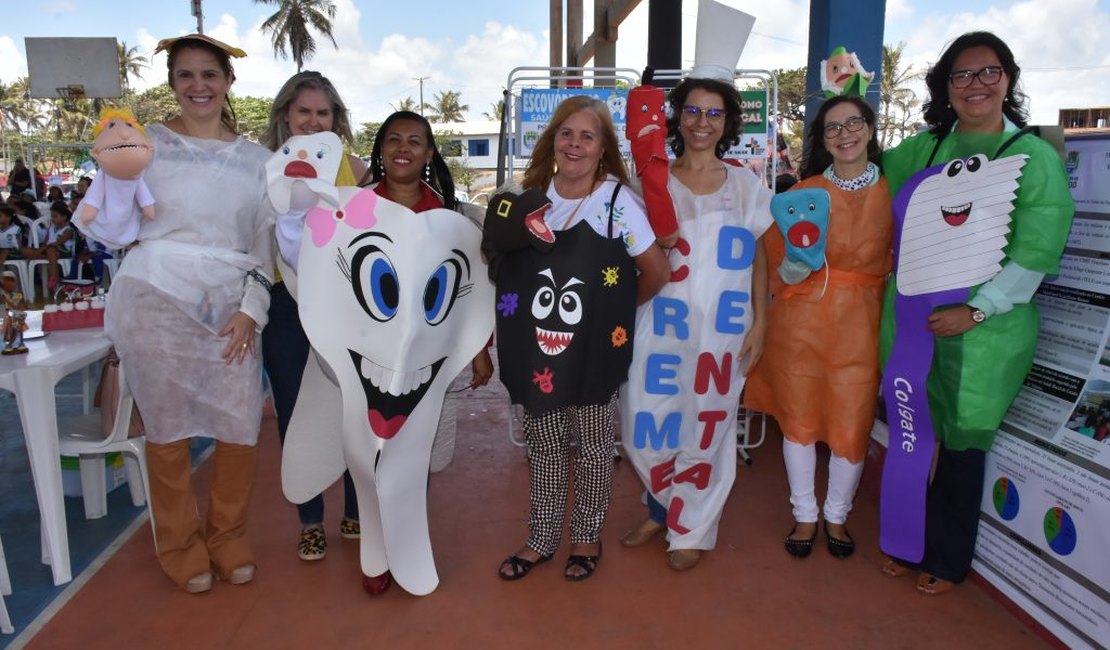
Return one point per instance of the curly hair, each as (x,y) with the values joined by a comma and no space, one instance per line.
(939,114)
(728,94)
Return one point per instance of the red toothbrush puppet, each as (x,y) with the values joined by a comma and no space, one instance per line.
(646,130)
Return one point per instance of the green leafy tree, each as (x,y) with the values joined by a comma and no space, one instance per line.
(462,173)
(898,104)
(407,104)
(291,27)
(253,114)
(364,138)
(156,104)
(446,107)
(131,64)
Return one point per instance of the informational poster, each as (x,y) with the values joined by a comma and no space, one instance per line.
(754,138)
(1045,518)
(538,104)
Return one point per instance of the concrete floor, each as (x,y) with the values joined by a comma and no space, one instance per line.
(747,593)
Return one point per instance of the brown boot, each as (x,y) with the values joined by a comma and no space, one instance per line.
(226,529)
(177,537)
(683,559)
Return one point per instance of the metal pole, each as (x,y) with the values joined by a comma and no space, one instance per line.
(198,11)
(421,80)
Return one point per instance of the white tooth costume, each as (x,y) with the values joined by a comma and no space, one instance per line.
(395,304)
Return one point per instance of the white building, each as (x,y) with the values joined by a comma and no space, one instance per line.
(477,143)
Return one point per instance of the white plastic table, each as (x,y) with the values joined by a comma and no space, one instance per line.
(32,378)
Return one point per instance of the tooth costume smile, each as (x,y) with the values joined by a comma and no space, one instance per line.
(957,215)
(392,396)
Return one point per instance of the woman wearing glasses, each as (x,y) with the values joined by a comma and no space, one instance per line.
(722,212)
(983,349)
(819,375)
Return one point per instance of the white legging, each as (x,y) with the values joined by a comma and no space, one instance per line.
(801,466)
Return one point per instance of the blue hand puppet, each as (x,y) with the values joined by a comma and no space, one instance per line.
(803,217)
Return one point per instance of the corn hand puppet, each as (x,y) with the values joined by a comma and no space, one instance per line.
(646,130)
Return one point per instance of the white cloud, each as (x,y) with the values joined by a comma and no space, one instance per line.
(1063,49)
(481,65)
(12,63)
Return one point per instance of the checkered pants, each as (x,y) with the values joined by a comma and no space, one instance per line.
(548,438)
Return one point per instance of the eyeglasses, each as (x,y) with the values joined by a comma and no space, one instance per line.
(693,113)
(853,124)
(987,76)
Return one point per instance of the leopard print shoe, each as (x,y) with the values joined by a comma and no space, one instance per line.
(313,544)
(349,529)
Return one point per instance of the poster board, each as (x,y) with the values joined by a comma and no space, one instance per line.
(1045,515)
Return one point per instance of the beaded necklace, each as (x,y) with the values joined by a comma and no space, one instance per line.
(868,177)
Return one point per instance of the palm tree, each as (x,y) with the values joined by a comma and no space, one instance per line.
(406,104)
(446,107)
(289,27)
(898,103)
(130,64)
(496,111)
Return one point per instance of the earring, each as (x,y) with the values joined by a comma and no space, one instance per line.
(428,170)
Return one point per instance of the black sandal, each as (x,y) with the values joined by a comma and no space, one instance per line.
(520,567)
(800,548)
(588,564)
(840,548)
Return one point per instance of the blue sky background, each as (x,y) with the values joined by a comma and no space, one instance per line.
(470,46)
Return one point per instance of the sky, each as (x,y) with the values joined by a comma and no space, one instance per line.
(470,46)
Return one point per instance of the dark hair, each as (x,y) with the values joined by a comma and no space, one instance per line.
(54,189)
(227,111)
(939,114)
(541,168)
(27,208)
(728,93)
(61,208)
(439,177)
(817,157)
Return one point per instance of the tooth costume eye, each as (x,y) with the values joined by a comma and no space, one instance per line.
(441,290)
(954,168)
(543,303)
(375,282)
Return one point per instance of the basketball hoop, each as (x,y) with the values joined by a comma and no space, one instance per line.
(71,93)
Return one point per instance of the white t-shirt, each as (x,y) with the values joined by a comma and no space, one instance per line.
(10,237)
(630,221)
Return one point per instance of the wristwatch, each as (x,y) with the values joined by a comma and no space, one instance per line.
(977,315)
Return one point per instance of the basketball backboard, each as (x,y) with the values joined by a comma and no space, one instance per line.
(73,68)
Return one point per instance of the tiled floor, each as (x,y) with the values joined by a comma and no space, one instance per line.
(747,593)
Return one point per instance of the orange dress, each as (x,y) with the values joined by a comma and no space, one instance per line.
(819,375)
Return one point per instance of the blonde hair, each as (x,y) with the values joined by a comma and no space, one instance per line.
(278,130)
(541,169)
(110,113)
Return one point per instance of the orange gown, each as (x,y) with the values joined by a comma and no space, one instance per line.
(819,375)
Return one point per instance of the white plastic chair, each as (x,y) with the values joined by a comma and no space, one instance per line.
(65,262)
(83,436)
(5,590)
(23,267)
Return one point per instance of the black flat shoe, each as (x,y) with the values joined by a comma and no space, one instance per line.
(520,567)
(588,564)
(839,547)
(800,548)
